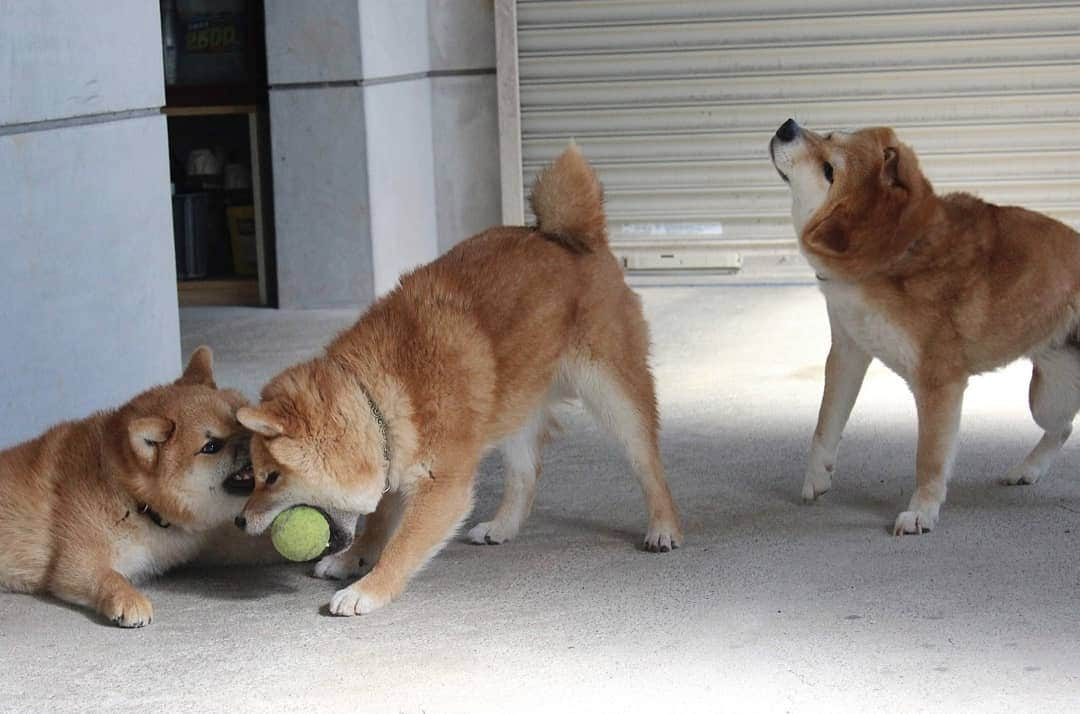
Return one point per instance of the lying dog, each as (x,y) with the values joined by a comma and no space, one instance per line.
(938,288)
(467,352)
(91,505)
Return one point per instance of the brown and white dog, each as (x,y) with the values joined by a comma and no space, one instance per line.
(91,505)
(468,352)
(938,288)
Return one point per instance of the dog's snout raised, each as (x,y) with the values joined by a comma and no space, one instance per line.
(240,522)
(787,131)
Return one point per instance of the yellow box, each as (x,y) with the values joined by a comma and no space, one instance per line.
(242,236)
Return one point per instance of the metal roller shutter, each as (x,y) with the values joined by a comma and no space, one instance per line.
(675,100)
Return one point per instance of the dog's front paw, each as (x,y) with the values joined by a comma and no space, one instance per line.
(128,608)
(355,600)
(341,566)
(663,537)
(818,480)
(491,533)
(1022,475)
(916,521)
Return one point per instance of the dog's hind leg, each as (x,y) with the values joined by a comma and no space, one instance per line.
(521,459)
(622,398)
(1054,396)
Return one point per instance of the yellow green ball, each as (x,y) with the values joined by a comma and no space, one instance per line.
(300,533)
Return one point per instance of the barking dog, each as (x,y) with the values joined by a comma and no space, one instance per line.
(938,288)
(467,352)
(91,505)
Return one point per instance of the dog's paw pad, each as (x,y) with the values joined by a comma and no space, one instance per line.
(489,533)
(913,523)
(353,600)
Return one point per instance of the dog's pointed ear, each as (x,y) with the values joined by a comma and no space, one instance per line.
(900,167)
(890,167)
(200,368)
(286,451)
(261,420)
(145,434)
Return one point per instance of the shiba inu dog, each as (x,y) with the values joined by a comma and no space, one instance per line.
(92,505)
(467,352)
(938,288)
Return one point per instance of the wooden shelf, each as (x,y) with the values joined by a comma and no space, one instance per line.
(203,95)
(214,110)
(219,291)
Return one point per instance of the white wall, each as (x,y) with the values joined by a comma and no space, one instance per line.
(465,130)
(423,140)
(88,307)
(401,183)
(59,59)
(321,205)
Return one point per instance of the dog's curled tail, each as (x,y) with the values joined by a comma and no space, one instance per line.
(568,201)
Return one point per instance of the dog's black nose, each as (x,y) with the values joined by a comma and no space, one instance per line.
(787,131)
(240,522)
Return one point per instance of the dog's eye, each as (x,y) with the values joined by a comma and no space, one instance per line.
(271,477)
(828,171)
(212,447)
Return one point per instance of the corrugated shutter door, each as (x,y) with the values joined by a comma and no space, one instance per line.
(675,100)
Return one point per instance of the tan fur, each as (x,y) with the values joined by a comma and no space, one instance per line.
(69,521)
(457,358)
(966,285)
(564,203)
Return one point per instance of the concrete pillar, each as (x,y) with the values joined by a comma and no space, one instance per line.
(383,125)
(88,309)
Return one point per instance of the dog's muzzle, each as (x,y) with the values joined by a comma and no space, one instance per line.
(788,132)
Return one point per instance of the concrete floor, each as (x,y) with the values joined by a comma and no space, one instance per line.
(770,606)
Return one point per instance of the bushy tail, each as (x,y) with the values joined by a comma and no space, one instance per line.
(568,201)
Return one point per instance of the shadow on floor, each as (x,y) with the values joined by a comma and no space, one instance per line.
(233,583)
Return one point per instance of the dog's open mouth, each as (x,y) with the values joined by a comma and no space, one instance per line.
(772,157)
(340,537)
(240,482)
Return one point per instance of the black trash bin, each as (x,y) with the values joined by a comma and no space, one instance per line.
(191,234)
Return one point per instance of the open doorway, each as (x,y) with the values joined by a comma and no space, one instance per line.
(217,115)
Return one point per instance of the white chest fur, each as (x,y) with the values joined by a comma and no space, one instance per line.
(151,550)
(869,328)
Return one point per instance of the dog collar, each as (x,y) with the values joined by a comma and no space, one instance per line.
(144,509)
(384,433)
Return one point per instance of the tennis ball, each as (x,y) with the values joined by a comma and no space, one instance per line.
(300,533)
